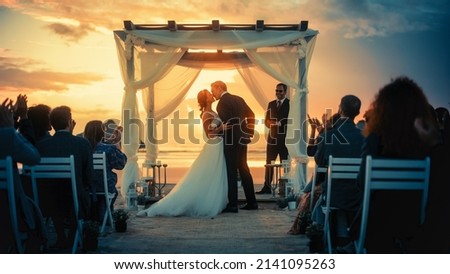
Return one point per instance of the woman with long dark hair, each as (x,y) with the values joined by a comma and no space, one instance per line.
(399,108)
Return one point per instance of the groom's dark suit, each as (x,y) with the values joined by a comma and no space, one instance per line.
(234,110)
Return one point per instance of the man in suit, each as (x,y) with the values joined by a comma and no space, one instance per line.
(234,110)
(63,144)
(13,144)
(276,121)
(343,140)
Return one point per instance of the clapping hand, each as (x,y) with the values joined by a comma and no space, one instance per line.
(7,113)
(20,107)
(315,124)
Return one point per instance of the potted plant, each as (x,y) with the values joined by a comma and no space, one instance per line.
(120,217)
(291,201)
(282,203)
(91,231)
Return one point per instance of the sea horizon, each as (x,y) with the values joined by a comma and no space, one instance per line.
(184,157)
(180,158)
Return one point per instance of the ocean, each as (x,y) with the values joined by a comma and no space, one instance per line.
(183,158)
(180,158)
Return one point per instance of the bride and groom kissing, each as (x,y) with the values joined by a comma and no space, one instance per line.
(210,185)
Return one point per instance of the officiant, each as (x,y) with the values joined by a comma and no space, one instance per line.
(276,119)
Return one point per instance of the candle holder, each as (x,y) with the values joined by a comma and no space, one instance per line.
(153,165)
(275,169)
(157,184)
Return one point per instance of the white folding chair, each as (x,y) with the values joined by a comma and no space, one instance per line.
(392,174)
(99,160)
(338,168)
(7,183)
(59,168)
(317,170)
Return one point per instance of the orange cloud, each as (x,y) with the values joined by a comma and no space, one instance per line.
(71,33)
(18,74)
(351,19)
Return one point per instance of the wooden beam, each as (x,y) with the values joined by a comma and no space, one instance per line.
(216,26)
(303,26)
(128,25)
(172,25)
(259,25)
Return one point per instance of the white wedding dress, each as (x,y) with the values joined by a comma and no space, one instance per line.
(202,192)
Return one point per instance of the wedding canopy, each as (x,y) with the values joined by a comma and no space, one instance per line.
(163,62)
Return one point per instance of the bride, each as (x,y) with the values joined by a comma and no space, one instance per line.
(202,192)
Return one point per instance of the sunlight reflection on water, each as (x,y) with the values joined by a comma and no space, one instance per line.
(184,159)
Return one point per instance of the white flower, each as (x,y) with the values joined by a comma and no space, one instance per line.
(301,48)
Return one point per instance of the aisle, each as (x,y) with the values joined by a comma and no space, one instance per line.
(248,232)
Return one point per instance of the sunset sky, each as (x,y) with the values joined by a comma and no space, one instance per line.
(63,52)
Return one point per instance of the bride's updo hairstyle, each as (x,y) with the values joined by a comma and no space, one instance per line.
(201,99)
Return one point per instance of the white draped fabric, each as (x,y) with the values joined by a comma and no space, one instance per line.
(155,62)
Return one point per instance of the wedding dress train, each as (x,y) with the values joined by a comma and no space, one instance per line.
(202,192)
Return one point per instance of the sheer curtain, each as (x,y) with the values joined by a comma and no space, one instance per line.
(148,61)
(296,137)
(251,77)
(161,99)
(142,65)
(284,63)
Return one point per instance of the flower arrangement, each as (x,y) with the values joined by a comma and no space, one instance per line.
(120,215)
(291,198)
(283,202)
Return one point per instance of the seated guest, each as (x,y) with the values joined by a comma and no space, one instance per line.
(63,144)
(344,140)
(13,144)
(305,200)
(34,124)
(391,133)
(94,132)
(39,115)
(433,236)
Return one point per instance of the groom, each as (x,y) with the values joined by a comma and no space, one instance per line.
(233,110)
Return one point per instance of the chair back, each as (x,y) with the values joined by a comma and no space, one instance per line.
(7,183)
(393,174)
(54,168)
(317,170)
(99,160)
(57,168)
(338,168)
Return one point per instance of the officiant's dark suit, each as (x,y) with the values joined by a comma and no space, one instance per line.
(234,110)
(276,121)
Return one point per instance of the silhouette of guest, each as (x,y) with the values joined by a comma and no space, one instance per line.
(94,132)
(63,144)
(391,133)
